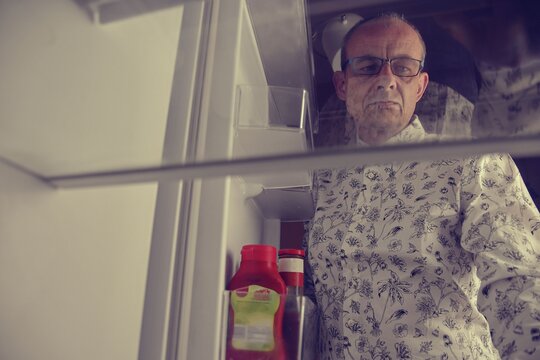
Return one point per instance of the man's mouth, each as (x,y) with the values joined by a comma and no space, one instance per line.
(383,104)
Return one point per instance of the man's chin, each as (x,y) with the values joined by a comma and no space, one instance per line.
(381,119)
(390,112)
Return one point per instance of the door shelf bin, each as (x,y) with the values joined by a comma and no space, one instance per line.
(300,327)
(272,120)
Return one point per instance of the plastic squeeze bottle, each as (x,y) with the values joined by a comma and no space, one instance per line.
(256,307)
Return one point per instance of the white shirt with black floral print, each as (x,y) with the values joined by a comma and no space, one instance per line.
(509,101)
(426,260)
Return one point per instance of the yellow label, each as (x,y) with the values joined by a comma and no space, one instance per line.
(254,308)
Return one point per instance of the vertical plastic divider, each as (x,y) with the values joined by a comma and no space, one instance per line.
(224,324)
(160,332)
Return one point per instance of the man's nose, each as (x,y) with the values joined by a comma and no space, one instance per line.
(386,78)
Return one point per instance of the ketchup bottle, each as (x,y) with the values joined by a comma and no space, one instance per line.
(256,307)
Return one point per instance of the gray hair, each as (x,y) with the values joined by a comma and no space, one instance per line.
(386,16)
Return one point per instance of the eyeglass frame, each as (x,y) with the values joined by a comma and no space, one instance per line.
(383,61)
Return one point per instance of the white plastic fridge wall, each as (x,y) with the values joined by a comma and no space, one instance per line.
(72,262)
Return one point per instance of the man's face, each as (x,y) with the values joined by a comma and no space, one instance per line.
(383,104)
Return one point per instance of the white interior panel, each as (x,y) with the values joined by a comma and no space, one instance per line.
(72,269)
(78,96)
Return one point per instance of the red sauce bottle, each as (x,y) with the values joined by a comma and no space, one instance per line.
(256,307)
(291,269)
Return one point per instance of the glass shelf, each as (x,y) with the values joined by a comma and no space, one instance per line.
(523,146)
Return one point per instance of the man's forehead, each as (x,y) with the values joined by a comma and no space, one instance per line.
(385,24)
(385,34)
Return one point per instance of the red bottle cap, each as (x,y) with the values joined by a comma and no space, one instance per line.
(259,253)
(291,252)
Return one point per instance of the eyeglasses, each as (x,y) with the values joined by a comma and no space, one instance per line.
(371,65)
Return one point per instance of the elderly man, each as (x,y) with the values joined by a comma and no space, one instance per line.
(425,259)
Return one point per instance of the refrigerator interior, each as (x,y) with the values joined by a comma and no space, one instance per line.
(144,142)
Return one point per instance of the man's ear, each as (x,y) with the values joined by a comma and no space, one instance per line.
(423,80)
(340,85)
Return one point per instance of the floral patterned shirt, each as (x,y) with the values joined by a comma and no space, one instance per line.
(426,260)
(508,102)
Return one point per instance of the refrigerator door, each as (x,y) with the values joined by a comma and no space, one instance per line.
(246,94)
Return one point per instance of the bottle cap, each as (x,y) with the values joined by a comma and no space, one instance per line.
(258,252)
(291,252)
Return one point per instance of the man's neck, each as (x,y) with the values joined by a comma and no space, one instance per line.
(377,136)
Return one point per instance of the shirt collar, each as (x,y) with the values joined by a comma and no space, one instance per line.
(412,133)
